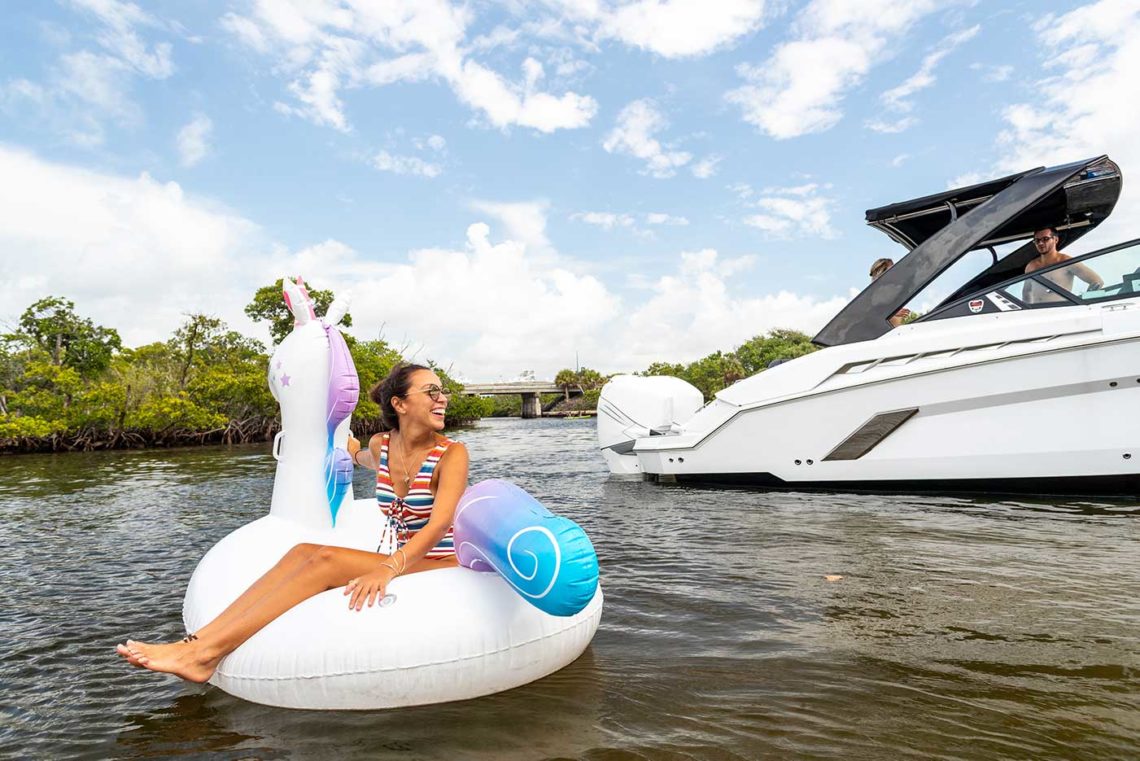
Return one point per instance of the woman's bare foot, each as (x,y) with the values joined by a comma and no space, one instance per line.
(188,659)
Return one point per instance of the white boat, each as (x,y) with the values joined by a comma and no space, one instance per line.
(987,393)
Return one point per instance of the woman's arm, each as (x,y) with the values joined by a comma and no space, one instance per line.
(452,483)
(452,469)
(365,457)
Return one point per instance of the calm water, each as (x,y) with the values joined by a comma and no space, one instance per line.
(962,628)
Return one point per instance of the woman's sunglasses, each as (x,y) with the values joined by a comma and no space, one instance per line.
(433,391)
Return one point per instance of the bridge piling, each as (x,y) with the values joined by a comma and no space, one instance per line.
(531,406)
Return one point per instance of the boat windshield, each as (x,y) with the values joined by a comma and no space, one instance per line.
(1107,275)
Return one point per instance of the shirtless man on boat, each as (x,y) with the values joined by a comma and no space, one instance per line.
(1046,240)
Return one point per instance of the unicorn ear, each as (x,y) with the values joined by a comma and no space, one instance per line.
(297,299)
(338,309)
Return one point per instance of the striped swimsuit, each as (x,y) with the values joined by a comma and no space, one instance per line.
(410,514)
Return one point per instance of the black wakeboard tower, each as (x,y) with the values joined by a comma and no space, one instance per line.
(938,230)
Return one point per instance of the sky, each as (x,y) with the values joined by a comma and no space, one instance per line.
(505,187)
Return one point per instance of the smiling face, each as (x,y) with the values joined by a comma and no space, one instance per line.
(417,404)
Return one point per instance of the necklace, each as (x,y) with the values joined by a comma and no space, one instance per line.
(404,464)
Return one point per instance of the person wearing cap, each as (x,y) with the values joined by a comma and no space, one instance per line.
(877,269)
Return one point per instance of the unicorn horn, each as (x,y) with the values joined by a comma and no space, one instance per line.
(298,301)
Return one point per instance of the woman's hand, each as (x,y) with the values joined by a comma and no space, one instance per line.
(352,447)
(370,586)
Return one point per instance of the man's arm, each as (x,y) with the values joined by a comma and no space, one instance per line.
(1095,281)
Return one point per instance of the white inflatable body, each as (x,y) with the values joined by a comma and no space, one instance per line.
(438,636)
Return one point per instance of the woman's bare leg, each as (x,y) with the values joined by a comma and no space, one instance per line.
(305,571)
(290,564)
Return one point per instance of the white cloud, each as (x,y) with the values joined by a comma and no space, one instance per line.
(194,140)
(523,221)
(327,46)
(742,190)
(993,73)
(119,36)
(681,28)
(137,254)
(606,220)
(899,99)
(792,211)
(99,81)
(706,167)
(893,127)
(694,312)
(133,253)
(633,136)
(86,89)
(504,104)
(900,159)
(659,218)
(414,165)
(799,88)
(1088,104)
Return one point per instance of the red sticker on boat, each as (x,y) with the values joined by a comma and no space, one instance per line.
(976,305)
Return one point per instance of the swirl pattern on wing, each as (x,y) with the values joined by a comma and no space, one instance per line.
(546,558)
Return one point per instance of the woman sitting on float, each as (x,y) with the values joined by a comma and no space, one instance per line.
(431,475)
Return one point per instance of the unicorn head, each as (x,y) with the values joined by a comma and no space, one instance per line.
(313,378)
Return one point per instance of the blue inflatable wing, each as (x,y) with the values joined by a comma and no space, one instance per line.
(548,559)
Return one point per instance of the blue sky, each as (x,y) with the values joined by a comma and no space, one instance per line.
(503,185)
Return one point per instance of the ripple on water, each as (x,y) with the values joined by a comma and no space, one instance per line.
(961,627)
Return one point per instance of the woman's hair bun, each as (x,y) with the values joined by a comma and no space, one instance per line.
(397,383)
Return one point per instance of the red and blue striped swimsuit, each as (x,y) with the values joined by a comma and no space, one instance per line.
(410,514)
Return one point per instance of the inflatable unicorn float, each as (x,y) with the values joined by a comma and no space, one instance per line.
(524,602)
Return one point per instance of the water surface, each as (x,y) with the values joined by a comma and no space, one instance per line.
(961,628)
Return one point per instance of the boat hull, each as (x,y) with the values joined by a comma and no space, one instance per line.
(1030,412)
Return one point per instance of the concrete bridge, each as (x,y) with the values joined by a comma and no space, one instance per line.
(529,390)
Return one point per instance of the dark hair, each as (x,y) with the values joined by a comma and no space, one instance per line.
(398,383)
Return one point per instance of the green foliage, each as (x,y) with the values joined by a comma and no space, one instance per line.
(588,379)
(720,370)
(506,405)
(52,326)
(755,353)
(373,360)
(269,306)
(28,428)
(584,378)
(67,383)
(179,411)
(203,341)
(566,379)
(463,409)
(234,392)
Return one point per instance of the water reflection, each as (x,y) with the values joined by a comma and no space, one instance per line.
(961,627)
(562,716)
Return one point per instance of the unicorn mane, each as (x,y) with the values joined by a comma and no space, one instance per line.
(344,393)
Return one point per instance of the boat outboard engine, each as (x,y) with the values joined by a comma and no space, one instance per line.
(632,407)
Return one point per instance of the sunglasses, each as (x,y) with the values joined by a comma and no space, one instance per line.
(1046,239)
(433,391)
